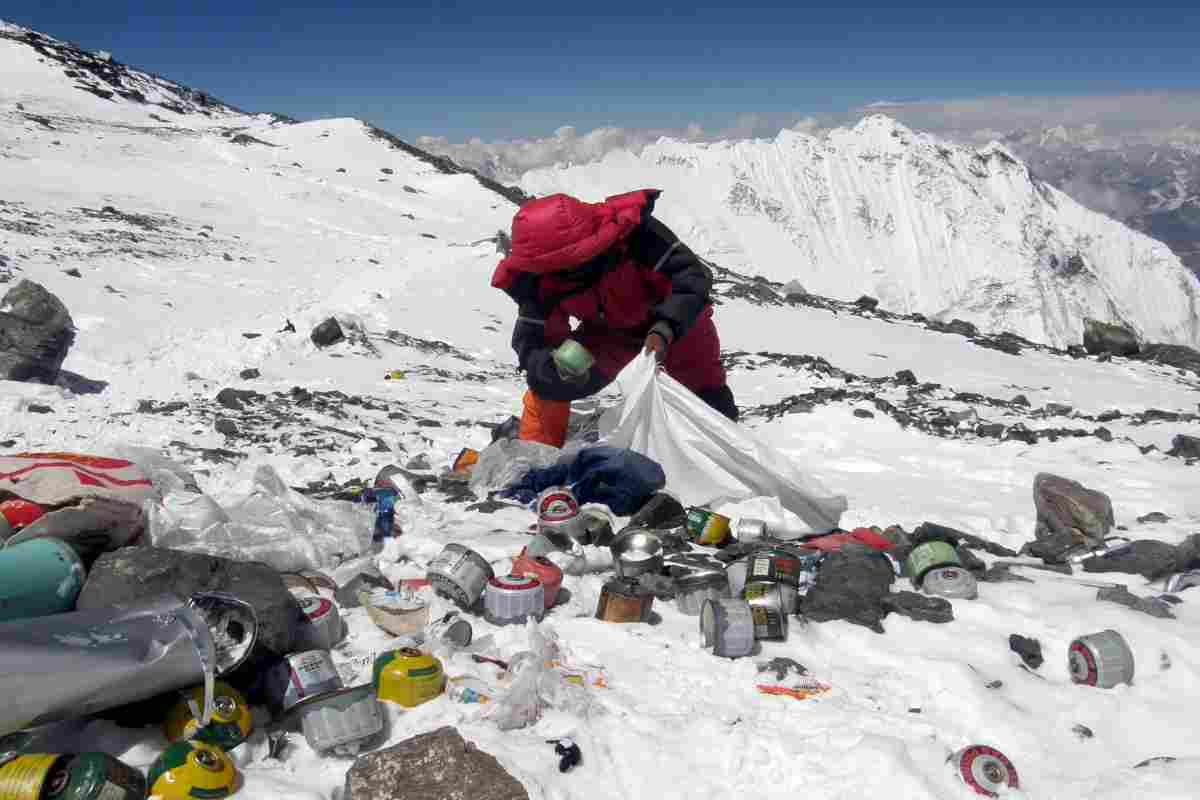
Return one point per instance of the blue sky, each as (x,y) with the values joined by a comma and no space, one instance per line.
(507,70)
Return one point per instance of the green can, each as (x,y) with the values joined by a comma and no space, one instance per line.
(707,527)
(94,776)
(39,577)
(927,556)
(573,360)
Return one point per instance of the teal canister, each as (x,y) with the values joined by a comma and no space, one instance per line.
(38,577)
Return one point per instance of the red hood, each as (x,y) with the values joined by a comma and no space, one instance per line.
(556,233)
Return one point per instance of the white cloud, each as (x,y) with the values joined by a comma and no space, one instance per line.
(1106,120)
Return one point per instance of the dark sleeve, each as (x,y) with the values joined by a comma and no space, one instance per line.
(691,280)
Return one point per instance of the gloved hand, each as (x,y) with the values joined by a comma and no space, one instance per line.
(657,344)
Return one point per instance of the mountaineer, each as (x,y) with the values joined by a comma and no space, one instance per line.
(631,285)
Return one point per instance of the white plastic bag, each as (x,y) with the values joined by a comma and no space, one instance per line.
(708,459)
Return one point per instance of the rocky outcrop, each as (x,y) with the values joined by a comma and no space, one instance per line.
(36,331)
(1103,337)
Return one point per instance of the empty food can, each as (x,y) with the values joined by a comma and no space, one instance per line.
(460,573)
(693,589)
(1101,659)
(299,677)
(727,626)
(513,599)
(707,527)
(767,606)
(623,600)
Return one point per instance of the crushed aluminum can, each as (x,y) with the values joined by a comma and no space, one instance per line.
(81,663)
(452,629)
(341,722)
(951,582)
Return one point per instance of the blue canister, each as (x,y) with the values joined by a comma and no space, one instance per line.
(38,577)
(385,512)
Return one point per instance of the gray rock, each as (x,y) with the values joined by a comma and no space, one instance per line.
(905,377)
(135,573)
(1030,650)
(862,413)
(1066,506)
(1102,337)
(1173,355)
(1103,434)
(36,331)
(1188,552)
(990,430)
(1185,446)
(1020,400)
(1153,517)
(1109,416)
(1082,731)
(920,607)
(794,289)
(249,374)
(439,765)
(782,667)
(234,399)
(327,333)
(225,426)
(1051,547)
(1149,558)
(867,303)
(1146,605)
(933,531)
(850,586)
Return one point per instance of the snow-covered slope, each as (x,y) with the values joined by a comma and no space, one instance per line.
(192,251)
(923,225)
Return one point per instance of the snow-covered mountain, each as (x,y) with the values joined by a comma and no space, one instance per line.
(184,240)
(923,225)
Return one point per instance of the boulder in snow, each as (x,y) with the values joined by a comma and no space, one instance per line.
(439,765)
(36,331)
(1149,558)
(794,289)
(327,333)
(1185,446)
(850,586)
(1067,507)
(1173,355)
(1103,337)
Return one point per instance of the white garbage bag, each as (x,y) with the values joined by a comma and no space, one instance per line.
(708,459)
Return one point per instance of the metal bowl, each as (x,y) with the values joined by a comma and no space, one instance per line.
(637,551)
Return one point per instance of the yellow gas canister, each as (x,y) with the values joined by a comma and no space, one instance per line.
(231,721)
(23,777)
(408,677)
(192,771)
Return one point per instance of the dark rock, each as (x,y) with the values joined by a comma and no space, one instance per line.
(1187,553)
(225,426)
(1155,760)
(932,531)
(1020,400)
(959,327)
(1076,351)
(867,303)
(782,667)
(971,562)
(1109,416)
(36,331)
(1030,650)
(235,399)
(1153,516)
(1066,506)
(251,335)
(1082,731)
(136,573)
(150,407)
(1149,558)
(288,327)
(439,765)
(507,429)
(387,171)
(1056,409)
(850,586)
(923,608)
(226,257)
(794,289)
(1173,355)
(420,461)
(249,374)
(503,243)
(1102,337)
(490,506)
(862,413)
(660,511)
(989,430)
(1103,434)
(1185,446)
(327,333)
(1146,605)
(37,408)
(1019,433)
(72,273)
(905,377)
(1000,573)
(1052,547)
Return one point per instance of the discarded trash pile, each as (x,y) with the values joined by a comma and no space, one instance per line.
(221,654)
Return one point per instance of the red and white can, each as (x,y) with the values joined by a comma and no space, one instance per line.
(323,628)
(985,770)
(544,570)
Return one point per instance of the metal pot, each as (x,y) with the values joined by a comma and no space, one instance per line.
(637,551)
(460,573)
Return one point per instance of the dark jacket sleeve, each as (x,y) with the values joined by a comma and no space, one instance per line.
(691,280)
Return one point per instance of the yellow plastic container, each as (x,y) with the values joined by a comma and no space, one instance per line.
(408,677)
(192,771)
(231,721)
(24,777)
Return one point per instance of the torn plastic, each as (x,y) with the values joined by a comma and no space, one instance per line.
(274,525)
(506,461)
(709,460)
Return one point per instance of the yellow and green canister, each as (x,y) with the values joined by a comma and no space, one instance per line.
(85,776)
(192,771)
(408,677)
(231,720)
(707,527)
(927,556)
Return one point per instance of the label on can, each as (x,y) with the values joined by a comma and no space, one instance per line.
(557,504)
(316,608)
(707,527)
(774,567)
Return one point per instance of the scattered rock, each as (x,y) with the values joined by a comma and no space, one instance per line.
(249,374)
(1109,416)
(1103,434)
(136,573)
(1146,605)
(439,765)
(1185,446)
(1020,400)
(1030,650)
(850,586)
(288,327)
(1066,506)
(794,289)
(1187,554)
(420,461)
(921,607)
(1056,409)
(867,303)
(235,399)
(387,171)
(1153,517)
(245,139)
(1102,337)
(327,333)
(1083,731)
(73,272)
(1173,355)
(490,506)
(862,413)
(35,408)
(990,430)
(905,377)
(933,531)
(782,667)
(226,257)
(226,426)
(36,331)
(1146,557)
(150,407)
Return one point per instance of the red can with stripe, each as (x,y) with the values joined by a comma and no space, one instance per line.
(544,570)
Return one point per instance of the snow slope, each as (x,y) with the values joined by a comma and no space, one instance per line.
(921,224)
(165,317)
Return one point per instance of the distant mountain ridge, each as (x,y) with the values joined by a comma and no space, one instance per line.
(924,225)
